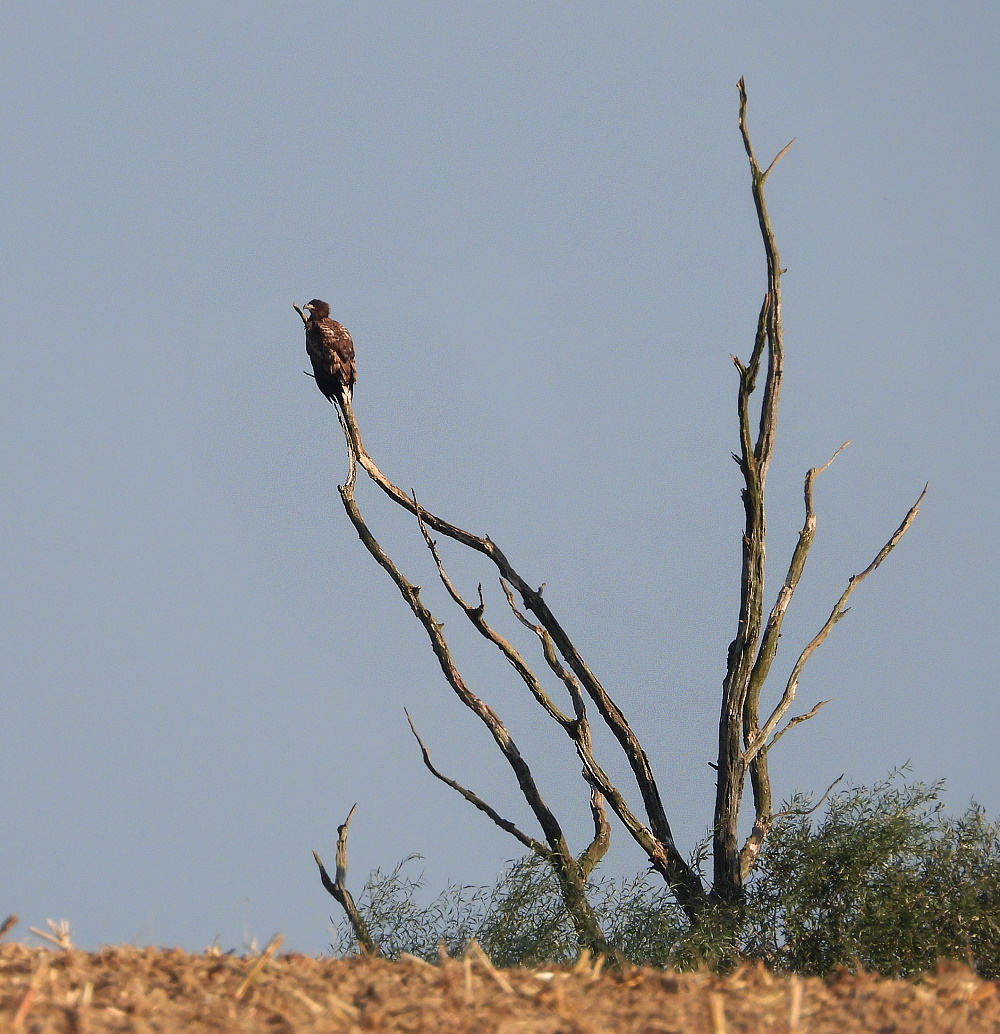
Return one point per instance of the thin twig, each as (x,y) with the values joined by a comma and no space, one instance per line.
(505,824)
(797,719)
(803,812)
(777,158)
(549,653)
(764,823)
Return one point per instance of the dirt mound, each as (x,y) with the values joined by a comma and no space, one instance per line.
(164,990)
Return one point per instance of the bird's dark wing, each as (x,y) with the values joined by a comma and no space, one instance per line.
(332,353)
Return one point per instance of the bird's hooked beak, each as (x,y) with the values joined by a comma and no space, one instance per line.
(307,308)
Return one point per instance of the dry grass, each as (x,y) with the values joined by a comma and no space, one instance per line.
(165,990)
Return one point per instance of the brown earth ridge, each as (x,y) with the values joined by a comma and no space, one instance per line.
(166,990)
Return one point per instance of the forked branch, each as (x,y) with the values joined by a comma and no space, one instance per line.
(754,459)
(338,889)
(571,878)
(839,610)
(743,743)
(656,834)
(577,727)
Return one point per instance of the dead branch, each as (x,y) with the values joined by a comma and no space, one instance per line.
(506,825)
(759,772)
(577,727)
(765,822)
(754,648)
(411,593)
(601,785)
(549,653)
(772,632)
(581,734)
(797,719)
(338,889)
(839,610)
(476,614)
(565,867)
(691,893)
(777,158)
(802,812)
(772,390)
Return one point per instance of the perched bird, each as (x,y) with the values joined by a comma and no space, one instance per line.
(329,346)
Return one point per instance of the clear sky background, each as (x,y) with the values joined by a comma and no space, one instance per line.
(535,219)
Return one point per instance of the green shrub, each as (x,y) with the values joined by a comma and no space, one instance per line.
(884,881)
(399,923)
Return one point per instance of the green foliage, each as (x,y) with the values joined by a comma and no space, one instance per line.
(521,920)
(527,922)
(399,923)
(884,881)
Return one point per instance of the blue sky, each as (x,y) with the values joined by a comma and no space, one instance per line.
(536,221)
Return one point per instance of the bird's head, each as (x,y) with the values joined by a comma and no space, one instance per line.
(316,308)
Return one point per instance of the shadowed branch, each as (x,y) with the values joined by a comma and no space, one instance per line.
(338,889)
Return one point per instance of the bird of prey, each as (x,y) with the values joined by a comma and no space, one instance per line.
(329,346)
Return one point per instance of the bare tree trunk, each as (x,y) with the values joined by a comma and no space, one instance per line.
(754,460)
(743,744)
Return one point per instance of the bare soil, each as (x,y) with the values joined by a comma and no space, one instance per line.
(169,990)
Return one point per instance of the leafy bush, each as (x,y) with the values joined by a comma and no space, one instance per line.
(885,881)
(399,923)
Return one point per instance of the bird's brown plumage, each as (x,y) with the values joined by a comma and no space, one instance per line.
(331,350)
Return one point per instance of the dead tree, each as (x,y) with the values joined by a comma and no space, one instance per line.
(746,734)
